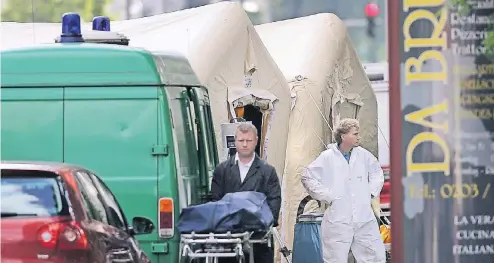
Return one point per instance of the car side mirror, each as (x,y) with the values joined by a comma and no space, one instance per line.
(142,225)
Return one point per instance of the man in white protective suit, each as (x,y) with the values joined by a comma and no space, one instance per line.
(347,177)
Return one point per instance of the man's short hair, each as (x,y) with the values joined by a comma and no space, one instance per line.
(246,127)
(344,127)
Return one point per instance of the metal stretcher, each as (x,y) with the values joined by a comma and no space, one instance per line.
(210,247)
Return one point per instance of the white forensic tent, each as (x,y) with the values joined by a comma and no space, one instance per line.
(230,59)
(225,52)
(16,35)
(327,83)
(224,48)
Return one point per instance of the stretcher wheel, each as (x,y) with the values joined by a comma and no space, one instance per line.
(241,259)
(185,259)
(192,260)
(181,258)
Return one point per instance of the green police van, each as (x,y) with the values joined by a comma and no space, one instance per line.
(140,120)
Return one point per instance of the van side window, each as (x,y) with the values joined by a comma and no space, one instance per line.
(210,138)
(184,128)
(115,215)
(206,137)
(94,206)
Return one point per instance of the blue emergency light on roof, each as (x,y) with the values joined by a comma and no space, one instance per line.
(101,23)
(71,28)
(101,34)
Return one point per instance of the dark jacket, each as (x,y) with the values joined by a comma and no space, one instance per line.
(261,177)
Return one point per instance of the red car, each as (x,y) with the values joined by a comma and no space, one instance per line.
(385,197)
(63,213)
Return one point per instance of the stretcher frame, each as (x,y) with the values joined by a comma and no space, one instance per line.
(213,246)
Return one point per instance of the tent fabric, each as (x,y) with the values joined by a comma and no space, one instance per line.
(17,35)
(230,59)
(225,52)
(327,83)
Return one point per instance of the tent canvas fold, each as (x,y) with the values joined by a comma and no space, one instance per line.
(327,83)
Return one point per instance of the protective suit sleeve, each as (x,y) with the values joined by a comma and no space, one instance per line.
(376,175)
(312,180)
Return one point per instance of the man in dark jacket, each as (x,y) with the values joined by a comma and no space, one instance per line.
(246,172)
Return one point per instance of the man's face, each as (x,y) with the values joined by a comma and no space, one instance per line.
(246,143)
(351,138)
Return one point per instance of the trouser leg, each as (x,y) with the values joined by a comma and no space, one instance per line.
(263,253)
(368,246)
(336,240)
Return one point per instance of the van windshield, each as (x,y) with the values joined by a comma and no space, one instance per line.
(30,193)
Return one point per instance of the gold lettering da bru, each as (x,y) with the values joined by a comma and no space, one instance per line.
(414,73)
